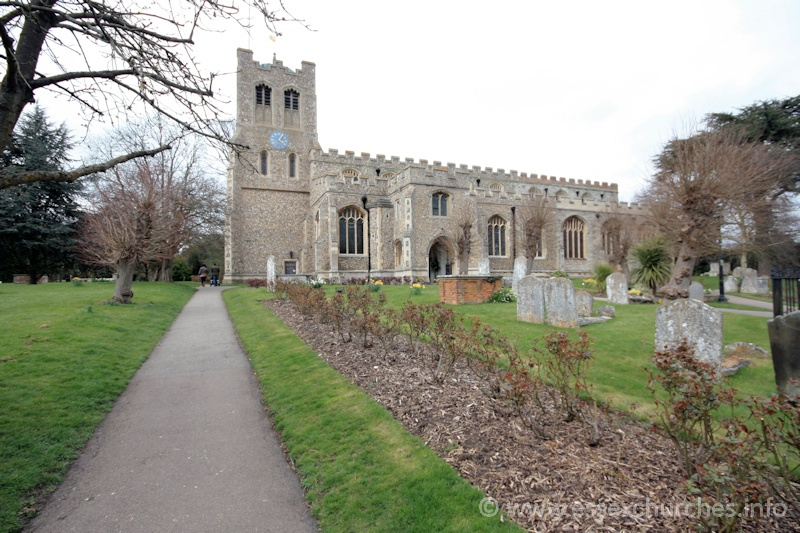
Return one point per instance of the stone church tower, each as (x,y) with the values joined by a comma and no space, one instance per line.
(268,184)
(345,215)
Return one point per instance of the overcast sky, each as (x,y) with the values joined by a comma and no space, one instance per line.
(582,89)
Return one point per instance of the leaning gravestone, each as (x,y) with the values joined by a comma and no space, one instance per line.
(520,264)
(696,291)
(698,323)
(617,288)
(559,301)
(784,337)
(271,269)
(749,277)
(737,272)
(530,300)
(731,285)
(585,303)
(483,267)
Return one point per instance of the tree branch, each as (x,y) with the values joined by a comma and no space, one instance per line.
(11,178)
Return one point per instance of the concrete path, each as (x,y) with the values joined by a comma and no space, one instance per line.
(186,448)
(767,313)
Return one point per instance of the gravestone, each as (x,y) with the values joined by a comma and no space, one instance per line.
(737,272)
(607,311)
(617,288)
(520,263)
(762,285)
(731,285)
(696,291)
(271,269)
(784,337)
(749,277)
(530,300)
(698,323)
(483,267)
(585,303)
(559,301)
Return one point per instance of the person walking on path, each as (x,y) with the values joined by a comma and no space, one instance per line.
(203,272)
(214,275)
(186,448)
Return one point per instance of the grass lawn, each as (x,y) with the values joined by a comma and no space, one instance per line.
(65,357)
(362,470)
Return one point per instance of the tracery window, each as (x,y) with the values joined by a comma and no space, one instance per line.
(574,238)
(439,204)
(497,236)
(351,231)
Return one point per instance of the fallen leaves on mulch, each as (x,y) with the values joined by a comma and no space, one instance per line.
(630,482)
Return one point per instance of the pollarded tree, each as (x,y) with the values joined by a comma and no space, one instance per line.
(538,218)
(463,235)
(129,222)
(696,182)
(111,58)
(38,220)
(192,195)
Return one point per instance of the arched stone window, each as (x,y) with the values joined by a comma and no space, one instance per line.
(263,163)
(497,236)
(263,111)
(291,99)
(292,165)
(351,231)
(398,254)
(574,230)
(439,204)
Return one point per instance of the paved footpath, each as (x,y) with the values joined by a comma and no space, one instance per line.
(186,448)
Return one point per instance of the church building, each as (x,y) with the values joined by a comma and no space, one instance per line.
(338,216)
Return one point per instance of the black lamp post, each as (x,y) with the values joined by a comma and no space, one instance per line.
(721,280)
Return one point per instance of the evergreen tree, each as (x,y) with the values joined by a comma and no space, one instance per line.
(37,220)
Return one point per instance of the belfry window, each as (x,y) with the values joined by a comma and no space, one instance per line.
(263,163)
(351,231)
(497,236)
(292,165)
(263,95)
(574,238)
(291,99)
(439,204)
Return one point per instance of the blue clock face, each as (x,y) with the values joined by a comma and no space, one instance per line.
(279,140)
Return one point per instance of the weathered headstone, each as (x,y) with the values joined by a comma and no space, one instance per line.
(784,337)
(762,285)
(607,310)
(520,263)
(483,267)
(731,285)
(271,269)
(530,300)
(696,291)
(617,288)
(698,323)
(749,277)
(585,303)
(559,301)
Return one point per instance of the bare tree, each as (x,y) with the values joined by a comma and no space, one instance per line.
(538,218)
(192,193)
(112,58)
(463,235)
(127,223)
(620,234)
(696,182)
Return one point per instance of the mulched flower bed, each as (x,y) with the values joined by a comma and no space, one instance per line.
(630,482)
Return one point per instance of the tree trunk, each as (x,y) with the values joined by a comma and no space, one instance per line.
(165,271)
(463,264)
(681,278)
(122,289)
(528,264)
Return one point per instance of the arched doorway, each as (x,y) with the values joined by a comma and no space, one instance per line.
(440,259)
